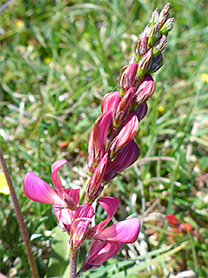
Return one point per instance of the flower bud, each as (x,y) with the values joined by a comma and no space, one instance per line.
(144,64)
(144,91)
(157,63)
(94,187)
(126,134)
(154,34)
(159,45)
(164,14)
(141,111)
(145,32)
(98,140)
(168,25)
(110,102)
(140,48)
(126,157)
(123,108)
(127,77)
(154,18)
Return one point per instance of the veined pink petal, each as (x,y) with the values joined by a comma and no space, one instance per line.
(123,160)
(110,102)
(95,182)
(55,178)
(65,217)
(125,231)
(78,231)
(127,133)
(84,211)
(99,252)
(73,194)
(39,191)
(123,108)
(101,127)
(110,205)
(91,153)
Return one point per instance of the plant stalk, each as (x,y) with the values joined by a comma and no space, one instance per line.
(73,264)
(19,218)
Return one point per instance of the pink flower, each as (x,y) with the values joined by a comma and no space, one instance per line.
(98,253)
(75,222)
(107,241)
(125,231)
(39,191)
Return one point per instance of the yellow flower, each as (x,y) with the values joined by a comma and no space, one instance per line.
(204,77)
(19,23)
(161,110)
(4,188)
(47,60)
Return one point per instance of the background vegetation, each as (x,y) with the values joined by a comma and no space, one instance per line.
(58,59)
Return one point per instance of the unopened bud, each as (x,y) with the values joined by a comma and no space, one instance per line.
(164,14)
(127,77)
(144,64)
(144,91)
(145,32)
(154,34)
(140,48)
(94,187)
(126,157)
(154,18)
(160,45)
(127,133)
(157,63)
(110,102)
(168,25)
(123,108)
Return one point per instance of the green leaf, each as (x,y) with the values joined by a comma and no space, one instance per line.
(59,259)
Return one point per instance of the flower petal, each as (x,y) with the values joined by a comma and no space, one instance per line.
(39,191)
(110,205)
(99,252)
(65,217)
(55,178)
(123,160)
(125,231)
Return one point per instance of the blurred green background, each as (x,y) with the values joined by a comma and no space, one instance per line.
(58,60)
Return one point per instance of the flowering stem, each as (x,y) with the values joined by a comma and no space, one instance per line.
(19,217)
(73,264)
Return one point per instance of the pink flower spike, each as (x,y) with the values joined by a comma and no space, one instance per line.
(99,252)
(123,160)
(125,231)
(39,191)
(110,205)
(55,178)
(110,102)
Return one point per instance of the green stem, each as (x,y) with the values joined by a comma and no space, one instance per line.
(19,218)
(73,264)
